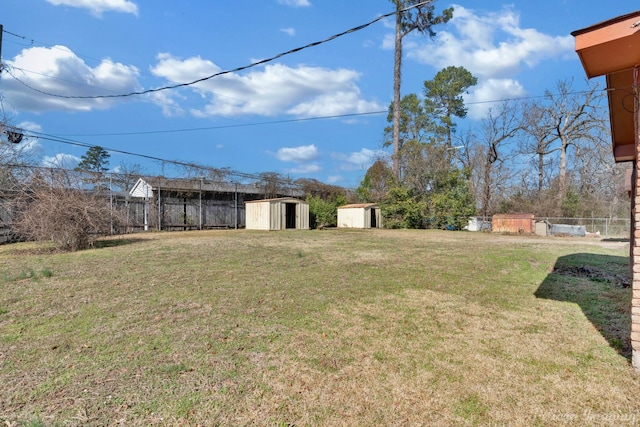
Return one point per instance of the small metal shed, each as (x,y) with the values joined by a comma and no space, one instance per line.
(277,214)
(361,215)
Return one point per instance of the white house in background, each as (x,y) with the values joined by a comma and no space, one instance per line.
(361,215)
(284,213)
(143,190)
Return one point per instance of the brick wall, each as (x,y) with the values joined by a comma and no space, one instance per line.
(635,259)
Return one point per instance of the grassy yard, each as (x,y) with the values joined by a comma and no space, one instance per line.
(313,328)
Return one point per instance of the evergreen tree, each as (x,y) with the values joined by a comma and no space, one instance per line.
(443,99)
(96,159)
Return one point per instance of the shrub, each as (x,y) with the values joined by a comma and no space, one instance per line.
(54,209)
(324,213)
(401,209)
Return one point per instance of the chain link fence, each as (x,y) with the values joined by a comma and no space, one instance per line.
(605,227)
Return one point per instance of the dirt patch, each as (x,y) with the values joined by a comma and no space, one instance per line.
(595,274)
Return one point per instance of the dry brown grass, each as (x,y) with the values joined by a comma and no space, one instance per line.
(315,328)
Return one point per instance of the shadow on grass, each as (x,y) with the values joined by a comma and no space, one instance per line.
(616,239)
(600,285)
(114,242)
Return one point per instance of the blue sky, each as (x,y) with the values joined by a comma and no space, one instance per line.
(272,117)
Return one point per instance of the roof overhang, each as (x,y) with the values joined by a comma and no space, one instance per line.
(612,49)
(609,46)
(621,114)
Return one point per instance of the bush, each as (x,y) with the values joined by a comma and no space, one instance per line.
(453,204)
(324,213)
(69,216)
(401,209)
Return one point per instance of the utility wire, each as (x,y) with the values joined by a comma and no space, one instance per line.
(306,119)
(16,35)
(239,125)
(39,135)
(234,70)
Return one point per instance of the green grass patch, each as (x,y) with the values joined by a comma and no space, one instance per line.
(27,274)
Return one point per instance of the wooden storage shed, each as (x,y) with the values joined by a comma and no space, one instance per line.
(283,213)
(361,215)
(513,223)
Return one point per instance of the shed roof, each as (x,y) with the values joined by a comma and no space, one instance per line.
(278,199)
(612,48)
(358,206)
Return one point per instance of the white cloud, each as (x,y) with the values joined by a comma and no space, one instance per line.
(306,169)
(494,48)
(289,31)
(388,42)
(302,91)
(334,104)
(34,127)
(57,70)
(490,46)
(295,3)
(61,160)
(479,101)
(303,156)
(169,102)
(332,179)
(359,160)
(304,153)
(98,7)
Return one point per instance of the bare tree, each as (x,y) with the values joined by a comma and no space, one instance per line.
(499,127)
(127,175)
(541,131)
(376,182)
(274,184)
(577,118)
(598,179)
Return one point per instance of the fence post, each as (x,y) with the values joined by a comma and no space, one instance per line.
(111,203)
(159,208)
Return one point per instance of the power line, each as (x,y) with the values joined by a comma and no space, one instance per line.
(10,69)
(39,135)
(305,119)
(234,70)
(239,125)
(12,74)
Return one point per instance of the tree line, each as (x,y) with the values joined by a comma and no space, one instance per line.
(550,157)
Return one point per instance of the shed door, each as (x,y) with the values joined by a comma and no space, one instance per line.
(374,224)
(290,215)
